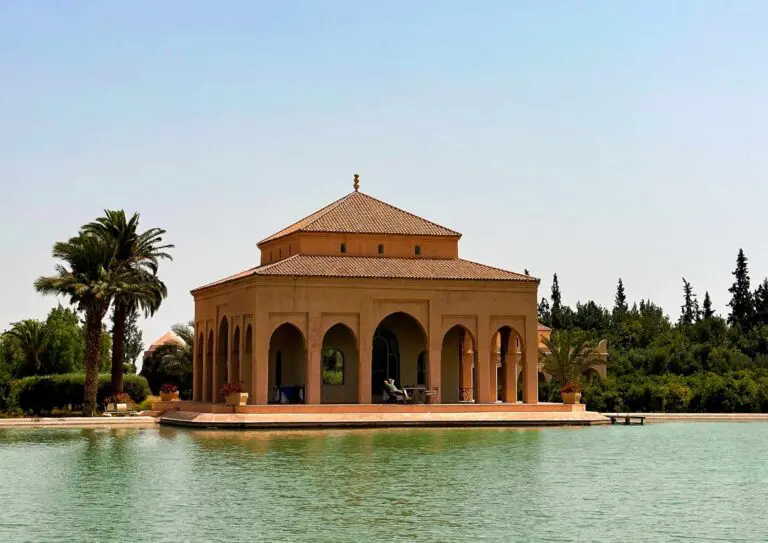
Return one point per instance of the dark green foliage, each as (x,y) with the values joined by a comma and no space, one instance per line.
(707,311)
(742,303)
(66,345)
(545,314)
(44,393)
(620,306)
(689,311)
(761,304)
(134,344)
(735,392)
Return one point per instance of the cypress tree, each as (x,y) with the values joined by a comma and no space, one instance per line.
(620,306)
(761,303)
(741,304)
(545,315)
(556,298)
(708,311)
(689,311)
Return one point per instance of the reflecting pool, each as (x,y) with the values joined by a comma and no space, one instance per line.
(662,482)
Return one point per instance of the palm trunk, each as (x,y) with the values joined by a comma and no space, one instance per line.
(118,346)
(92,352)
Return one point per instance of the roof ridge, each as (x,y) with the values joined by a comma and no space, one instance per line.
(406,212)
(500,269)
(312,217)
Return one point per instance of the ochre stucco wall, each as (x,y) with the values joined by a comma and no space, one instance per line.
(314,305)
(308,243)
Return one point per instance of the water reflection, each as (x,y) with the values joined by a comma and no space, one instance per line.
(172,484)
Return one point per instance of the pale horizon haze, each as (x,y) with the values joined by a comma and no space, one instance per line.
(595,140)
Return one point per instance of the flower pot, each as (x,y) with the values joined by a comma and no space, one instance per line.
(169,396)
(237,398)
(570,397)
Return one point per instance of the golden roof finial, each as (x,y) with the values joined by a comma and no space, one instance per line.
(356,184)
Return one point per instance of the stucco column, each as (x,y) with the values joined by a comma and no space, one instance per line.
(204,373)
(434,365)
(196,363)
(364,370)
(531,361)
(215,370)
(365,358)
(260,371)
(313,377)
(483,374)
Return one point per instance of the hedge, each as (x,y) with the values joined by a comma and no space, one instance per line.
(43,393)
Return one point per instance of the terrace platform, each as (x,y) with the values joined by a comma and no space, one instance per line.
(207,415)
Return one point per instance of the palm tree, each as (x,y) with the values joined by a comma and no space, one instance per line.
(567,356)
(138,255)
(32,336)
(89,282)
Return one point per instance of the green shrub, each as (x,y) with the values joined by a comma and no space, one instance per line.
(44,393)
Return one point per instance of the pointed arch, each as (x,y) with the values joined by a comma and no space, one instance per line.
(287,364)
(339,365)
(458,360)
(397,342)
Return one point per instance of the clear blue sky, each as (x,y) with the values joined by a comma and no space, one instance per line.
(593,139)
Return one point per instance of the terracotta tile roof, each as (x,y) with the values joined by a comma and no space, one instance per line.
(379,268)
(358,213)
(543,328)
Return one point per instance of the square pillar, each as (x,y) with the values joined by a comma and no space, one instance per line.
(196,381)
(364,376)
(483,374)
(493,375)
(260,368)
(531,362)
(313,376)
(434,366)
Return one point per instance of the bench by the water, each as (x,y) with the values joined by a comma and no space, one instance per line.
(627,418)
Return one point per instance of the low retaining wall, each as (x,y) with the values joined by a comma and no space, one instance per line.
(279,409)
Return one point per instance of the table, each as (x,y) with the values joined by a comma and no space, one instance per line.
(418,394)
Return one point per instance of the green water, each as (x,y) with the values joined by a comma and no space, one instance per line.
(665,482)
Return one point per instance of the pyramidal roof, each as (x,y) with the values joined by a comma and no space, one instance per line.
(358,213)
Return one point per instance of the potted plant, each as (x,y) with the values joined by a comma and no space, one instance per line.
(566,357)
(233,394)
(571,393)
(119,402)
(169,393)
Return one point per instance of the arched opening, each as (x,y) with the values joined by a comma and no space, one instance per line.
(235,377)
(339,366)
(246,364)
(199,361)
(506,359)
(421,369)
(208,390)
(221,363)
(287,365)
(457,363)
(397,342)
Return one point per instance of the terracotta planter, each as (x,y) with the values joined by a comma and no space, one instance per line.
(570,397)
(237,398)
(169,396)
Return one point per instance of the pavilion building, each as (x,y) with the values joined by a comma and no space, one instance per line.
(358,292)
